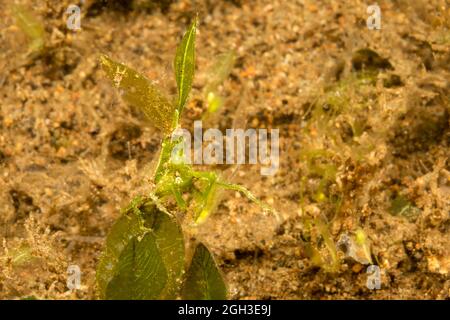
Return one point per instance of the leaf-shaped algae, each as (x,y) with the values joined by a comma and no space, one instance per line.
(216,74)
(121,234)
(21,255)
(31,26)
(220,70)
(143,232)
(141,274)
(203,279)
(184,65)
(139,91)
(170,242)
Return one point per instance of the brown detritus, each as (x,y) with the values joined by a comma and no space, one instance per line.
(122,142)
(369,60)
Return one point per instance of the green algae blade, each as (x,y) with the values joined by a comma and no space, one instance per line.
(138,91)
(203,279)
(184,65)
